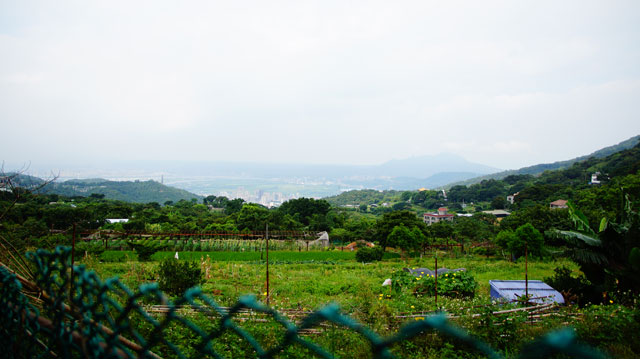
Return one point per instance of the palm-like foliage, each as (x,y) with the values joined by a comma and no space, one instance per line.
(609,256)
(585,246)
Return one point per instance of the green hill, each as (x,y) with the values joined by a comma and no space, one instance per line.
(365,196)
(540,168)
(128,191)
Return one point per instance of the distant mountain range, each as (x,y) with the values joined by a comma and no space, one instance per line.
(422,167)
(273,183)
(540,168)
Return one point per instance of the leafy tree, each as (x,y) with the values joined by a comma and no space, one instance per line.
(401,237)
(340,234)
(472,228)
(401,206)
(367,255)
(525,236)
(305,208)
(487,218)
(175,276)
(442,229)
(389,221)
(541,217)
(252,217)
(419,197)
(233,206)
(499,202)
(216,202)
(419,238)
(406,195)
(505,238)
(318,222)
(360,228)
(529,237)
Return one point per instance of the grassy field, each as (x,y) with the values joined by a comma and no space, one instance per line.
(335,277)
(316,278)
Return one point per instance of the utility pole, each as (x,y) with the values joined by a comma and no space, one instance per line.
(526,272)
(73,252)
(268,294)
(436,280)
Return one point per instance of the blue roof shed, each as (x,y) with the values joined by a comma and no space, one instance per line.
(511,289)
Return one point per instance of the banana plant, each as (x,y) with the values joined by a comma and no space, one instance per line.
(610,256)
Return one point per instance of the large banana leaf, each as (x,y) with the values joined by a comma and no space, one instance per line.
(590,240)
(580,221)
(587,255)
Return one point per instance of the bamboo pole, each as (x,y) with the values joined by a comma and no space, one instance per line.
(267,235)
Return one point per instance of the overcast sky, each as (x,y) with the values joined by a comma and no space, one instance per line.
(503,83)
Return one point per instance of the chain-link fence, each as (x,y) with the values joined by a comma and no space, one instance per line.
(73,313)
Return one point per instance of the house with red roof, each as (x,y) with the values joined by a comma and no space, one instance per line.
(441,215)
(561,203)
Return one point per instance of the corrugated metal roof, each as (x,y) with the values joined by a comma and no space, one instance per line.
(512,289)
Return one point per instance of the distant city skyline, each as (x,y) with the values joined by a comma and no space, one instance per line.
(499,83)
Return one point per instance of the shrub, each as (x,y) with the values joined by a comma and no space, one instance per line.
(485,251)
(574,289)
(146,250)
(401,279)
(94,249)
(369,254)
(116,256)
(176,276)
(452,284)
(390,255)
(610,326)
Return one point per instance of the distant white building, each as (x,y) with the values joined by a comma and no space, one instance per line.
(512,197)
(594,178)
(117,220)
(442,215)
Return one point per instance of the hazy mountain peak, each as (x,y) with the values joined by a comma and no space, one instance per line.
(428,165)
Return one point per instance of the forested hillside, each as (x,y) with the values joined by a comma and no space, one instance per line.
(366,196)
(128,191)
(616,173)
(540,168)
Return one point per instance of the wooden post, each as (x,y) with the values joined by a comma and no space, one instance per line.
(436,281)
(526,272)
(73,251)
(268,294)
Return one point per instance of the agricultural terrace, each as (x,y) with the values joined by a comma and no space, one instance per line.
(311,279)
(302,281)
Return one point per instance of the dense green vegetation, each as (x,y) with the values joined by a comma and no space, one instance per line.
(306,286)
(128,191)
(590,251)
(540,168)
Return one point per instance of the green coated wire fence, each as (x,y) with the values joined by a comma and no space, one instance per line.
(74,314)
